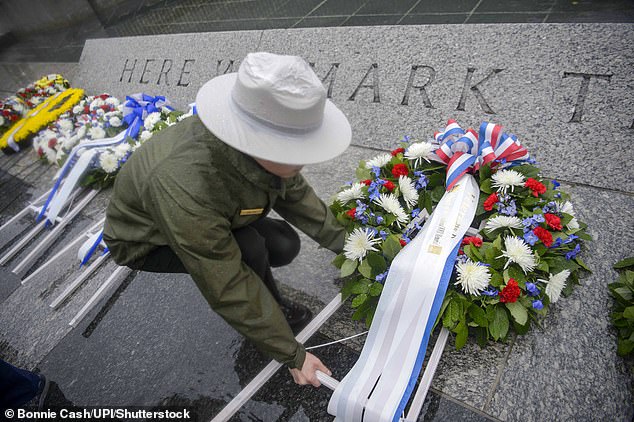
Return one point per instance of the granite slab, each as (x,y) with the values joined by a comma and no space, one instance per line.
(570,370)
(175,66)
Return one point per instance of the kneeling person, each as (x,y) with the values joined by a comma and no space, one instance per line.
(195,198)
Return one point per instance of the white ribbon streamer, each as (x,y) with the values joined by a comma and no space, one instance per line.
(376,385)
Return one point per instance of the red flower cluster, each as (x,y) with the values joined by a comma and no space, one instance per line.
(399,170)
(402,242)
(367,182)
(510,292)
(397,151)
(537,187)
(351,212)
(472,240)
(553,221)
(52,142)
(389,185)
(490,201)
(544,235)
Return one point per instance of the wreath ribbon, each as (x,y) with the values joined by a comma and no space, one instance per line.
(466,151)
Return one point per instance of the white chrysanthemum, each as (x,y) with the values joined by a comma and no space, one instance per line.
(418,152)
(505,179)
(502,221)
(353,192)
(473,277)
(519,252)
(408,190)
(108,162)
(96,133)
(389,202)
(59,156)
(151,120)
(115,121)
(81,133)
(50,153)
(121,150)
(66,125)
(555,284)
(96,103)
(70,142)
(113,101)
(1,121)
(358,243)
(378,161)
(566,207)
(145,135)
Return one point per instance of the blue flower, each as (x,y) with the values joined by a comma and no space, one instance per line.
(510,209)
(539,218)
(373,190)
(532,289)
(490,291)
(406,138)
(379,220)
(382,233)
(556,184)
(558,195)
(422,181)
(381,277)
(531,160)
(376,170)
(556,243)
(571,238)
(530,238)
(415,212)
(537,304)
(573,253)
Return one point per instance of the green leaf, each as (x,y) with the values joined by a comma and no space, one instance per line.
(518,311)
(583,264)
(348,267)
(363,173)
(377,263)
(497,243)
(485,186)
(365,269)
(359,300)
(462,332)
(624,263)
(499,327)
(437,193)
(478,315)
(339,260)
(624,347)
(482,336)
(629,313)
(359,287)
(391,247)
(375,289)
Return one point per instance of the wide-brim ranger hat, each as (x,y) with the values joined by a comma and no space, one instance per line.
(274,108)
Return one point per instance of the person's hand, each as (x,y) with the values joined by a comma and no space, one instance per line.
(307,374)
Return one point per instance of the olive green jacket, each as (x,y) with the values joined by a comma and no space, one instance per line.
(187,189)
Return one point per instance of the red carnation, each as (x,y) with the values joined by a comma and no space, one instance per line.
(534,185)
(397,151)
(510,292)
(351,212)
(40,152)
(52,142)
(389,185)
(86,109)
(543,235)
(553,221)
(490,201)
(403,243)
(472,240)
(104,96)
(367,182)
(399,170)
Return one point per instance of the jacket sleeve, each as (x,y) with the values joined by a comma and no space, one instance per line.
(305,210)
(201,237)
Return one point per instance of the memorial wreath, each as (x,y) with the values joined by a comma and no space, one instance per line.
(524,257)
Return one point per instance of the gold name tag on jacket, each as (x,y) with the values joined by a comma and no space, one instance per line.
(252,211)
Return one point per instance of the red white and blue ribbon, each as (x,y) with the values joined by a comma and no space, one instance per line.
(466,151)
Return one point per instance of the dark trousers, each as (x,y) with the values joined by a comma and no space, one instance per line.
(17,386)
(264,244)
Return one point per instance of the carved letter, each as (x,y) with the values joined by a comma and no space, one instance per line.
(127,69)
(228,69)
(583,91)
(164,71)
(183,72)
(147,61)
(421,88)
(332,75)
(476,91)
(374,68)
